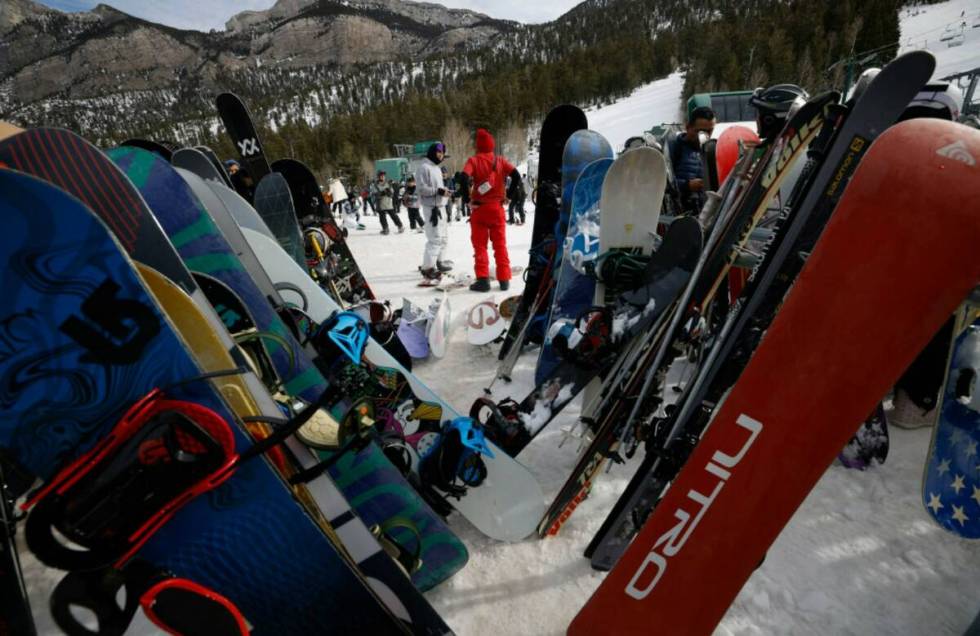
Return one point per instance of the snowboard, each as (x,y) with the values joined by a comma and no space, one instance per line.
(632,194)
(238,123)
(574,288)
(334,264)
(767,445)
(227,539)
(164,150)
(437,330)
(559,124)
(484,324)
(375,488)
(508,503)
(274,203)
(218,165)
(729,147)
(197,162)
(951,480)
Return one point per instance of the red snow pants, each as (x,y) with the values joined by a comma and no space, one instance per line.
(487,222)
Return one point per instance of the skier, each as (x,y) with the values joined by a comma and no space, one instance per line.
(384,196)
(433,196)
(686,158)
(517,194)
(488,173)
(411,201)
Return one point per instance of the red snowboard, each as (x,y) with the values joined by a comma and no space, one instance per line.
(905,237)
(726,151)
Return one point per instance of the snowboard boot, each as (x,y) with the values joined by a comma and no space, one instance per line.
(444,266)
(431,274)
(481,285)
(504,285)
(907,414)
(385,232)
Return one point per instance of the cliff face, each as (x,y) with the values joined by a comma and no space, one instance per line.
(47,57)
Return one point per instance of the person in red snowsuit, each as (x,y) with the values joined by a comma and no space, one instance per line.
(488,174)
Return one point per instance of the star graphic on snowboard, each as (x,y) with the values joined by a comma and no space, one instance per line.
(958,484)
(934,503)
(971,448)
(959,515)
(976,495)
(943,467)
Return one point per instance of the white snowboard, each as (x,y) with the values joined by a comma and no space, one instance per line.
(438,330)
(484,324)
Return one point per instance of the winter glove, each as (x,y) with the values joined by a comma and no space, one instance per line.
(434,217)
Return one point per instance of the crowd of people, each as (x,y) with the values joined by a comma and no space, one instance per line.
(488,194)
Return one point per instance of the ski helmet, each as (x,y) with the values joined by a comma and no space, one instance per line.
(941,100)
(774,105)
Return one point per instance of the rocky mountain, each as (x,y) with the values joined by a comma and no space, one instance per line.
(54,62)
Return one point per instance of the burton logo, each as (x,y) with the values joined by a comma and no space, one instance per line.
(957,151)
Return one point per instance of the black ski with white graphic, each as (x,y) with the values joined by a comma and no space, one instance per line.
(810,206)
(513,425)
(558,126)
(238,123)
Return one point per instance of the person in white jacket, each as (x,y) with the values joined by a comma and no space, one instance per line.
(433,198)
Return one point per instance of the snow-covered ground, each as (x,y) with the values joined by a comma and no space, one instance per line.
(925,27)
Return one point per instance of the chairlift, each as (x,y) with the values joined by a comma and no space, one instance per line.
(946,37)
(956,41)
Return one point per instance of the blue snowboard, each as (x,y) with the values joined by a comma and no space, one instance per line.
(82,340)
(574,290)
(581,149)
(951,484)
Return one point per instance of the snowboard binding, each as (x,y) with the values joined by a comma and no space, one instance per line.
(500,421)
(162,454)
(456,462)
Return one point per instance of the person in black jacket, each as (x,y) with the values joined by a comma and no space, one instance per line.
(516,194)
(686,158)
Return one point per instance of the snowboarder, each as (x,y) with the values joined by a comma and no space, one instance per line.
(411,201)
(384,196)
(488,173)
(433,196)
(686,159)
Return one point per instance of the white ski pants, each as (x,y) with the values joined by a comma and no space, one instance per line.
(436,238)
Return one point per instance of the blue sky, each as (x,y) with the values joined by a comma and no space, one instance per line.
(212,14)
